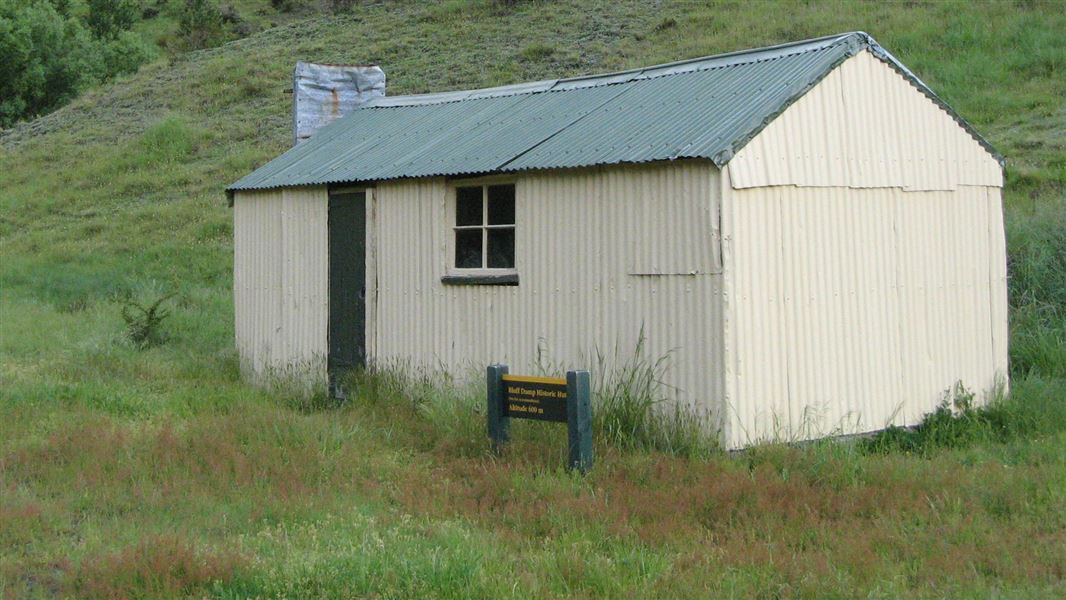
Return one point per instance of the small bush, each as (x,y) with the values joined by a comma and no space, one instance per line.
(144,324)
(667,23)
(537,52)
(340,6)
(956,423)
(201,25)
(168,141)
(505,7)
(124,54)
(232,19)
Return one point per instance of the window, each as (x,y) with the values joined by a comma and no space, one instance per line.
(484,227)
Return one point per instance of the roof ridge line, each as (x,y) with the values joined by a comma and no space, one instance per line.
(731,54)
(547,85)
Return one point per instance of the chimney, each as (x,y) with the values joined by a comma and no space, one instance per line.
(324,93)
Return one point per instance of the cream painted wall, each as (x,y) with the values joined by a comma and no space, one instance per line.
(864,126)
(280,281)
(855,309)
(865,263)
(601,254)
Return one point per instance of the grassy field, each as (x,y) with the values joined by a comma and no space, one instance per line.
(156,472)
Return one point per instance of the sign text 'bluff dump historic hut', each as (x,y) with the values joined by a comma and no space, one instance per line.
(808,234)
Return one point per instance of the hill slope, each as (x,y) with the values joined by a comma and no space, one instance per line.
(116,461)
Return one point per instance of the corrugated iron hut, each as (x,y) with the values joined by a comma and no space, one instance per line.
(809,234)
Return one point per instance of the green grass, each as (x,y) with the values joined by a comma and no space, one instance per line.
(157,472)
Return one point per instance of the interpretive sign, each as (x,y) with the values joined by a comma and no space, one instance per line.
(542,399)
(529,397)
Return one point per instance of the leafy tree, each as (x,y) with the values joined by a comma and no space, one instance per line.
(49,57)
(62,6)
(108,18)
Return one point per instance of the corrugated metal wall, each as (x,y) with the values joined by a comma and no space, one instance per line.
(600,253)
(864,125)
(854,300)
(280,281)
(855,309)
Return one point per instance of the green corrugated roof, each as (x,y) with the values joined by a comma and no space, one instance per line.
(702,108)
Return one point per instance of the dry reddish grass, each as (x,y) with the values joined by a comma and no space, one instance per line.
(805,522)
(156,567)
(930,523)
(14,516)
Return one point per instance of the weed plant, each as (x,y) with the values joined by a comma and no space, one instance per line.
(144,324)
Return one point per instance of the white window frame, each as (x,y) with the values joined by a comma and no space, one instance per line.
(484,227)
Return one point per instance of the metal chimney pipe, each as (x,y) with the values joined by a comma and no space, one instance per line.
(322,93)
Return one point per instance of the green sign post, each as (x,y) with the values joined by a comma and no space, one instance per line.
(542,399)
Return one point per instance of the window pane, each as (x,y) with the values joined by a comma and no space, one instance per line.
(501,204)
(468,249)
(501,248)
(468,206)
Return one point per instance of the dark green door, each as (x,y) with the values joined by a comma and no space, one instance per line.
(347,285)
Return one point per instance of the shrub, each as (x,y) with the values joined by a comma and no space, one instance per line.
(124,54)
(505,7)
(200,24)
(144,324)
(956,423)
(537,52)
(108,18)
(168,141)
(339,6)
(667,23)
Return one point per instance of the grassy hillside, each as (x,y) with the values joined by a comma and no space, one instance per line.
(130,472)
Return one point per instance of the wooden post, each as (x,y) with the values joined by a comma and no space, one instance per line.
(579,419)
(498,421)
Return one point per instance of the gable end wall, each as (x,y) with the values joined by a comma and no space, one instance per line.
(865,126)
(865,268)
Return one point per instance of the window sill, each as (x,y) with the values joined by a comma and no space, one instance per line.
(480,279)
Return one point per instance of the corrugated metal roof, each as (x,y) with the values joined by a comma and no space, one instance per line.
(702,108)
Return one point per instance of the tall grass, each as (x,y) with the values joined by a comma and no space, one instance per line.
(1037,282)
(631,410)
